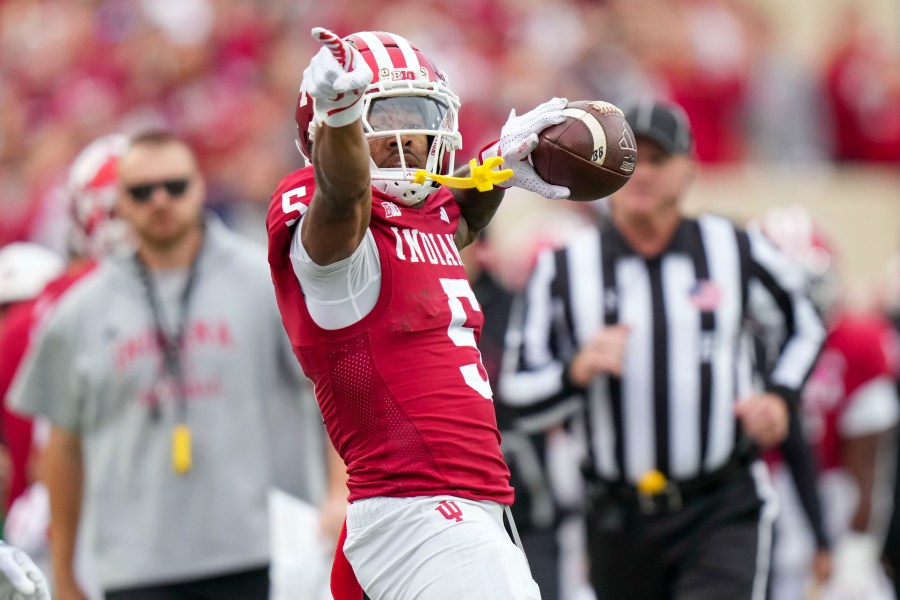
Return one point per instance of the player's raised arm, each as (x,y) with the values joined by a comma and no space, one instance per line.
(338,216)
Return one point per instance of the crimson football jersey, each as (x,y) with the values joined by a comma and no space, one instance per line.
(403,393)
(15,336)
(853,356)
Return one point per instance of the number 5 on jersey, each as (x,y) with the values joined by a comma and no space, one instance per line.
(288,205)
(465,336)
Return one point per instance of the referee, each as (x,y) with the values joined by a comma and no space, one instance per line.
(642,323)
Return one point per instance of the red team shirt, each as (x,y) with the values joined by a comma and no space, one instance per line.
(17,430)
(854,355)
(403,393)
(14,339)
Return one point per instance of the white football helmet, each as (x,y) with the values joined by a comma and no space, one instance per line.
(794,231)
(91,196)
(405,82)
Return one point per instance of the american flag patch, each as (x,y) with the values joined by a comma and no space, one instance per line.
(705,295)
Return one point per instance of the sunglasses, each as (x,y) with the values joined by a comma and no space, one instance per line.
(142,192)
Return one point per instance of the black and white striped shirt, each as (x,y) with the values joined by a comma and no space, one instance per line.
(689,351)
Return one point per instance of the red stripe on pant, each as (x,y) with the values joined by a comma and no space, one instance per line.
(344,585)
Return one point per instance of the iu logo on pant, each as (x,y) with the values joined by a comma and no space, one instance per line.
(449,510)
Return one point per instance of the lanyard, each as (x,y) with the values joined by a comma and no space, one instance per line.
(171,347)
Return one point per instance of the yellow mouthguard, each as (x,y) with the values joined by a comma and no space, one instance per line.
(483,177)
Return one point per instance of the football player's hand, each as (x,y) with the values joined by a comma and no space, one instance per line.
(519,137)
(764,417)
(337,78)
(857,569)
(604,353)
(20,578)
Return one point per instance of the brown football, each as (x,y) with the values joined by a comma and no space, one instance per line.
(592,152)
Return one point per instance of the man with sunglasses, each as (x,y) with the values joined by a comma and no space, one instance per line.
(168,381)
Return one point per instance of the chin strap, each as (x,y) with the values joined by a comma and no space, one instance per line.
(483,177)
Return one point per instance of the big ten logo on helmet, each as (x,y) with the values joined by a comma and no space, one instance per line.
(404,74)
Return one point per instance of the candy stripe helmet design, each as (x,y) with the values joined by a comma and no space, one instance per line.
(91,191)
(407,96)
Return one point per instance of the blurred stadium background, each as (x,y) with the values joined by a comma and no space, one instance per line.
(792,102)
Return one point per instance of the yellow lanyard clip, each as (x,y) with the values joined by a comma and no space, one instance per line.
(181,449)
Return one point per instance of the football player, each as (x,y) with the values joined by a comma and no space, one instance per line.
(849,412)
(89,195)
(364,250)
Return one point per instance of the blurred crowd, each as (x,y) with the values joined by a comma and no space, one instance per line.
(224,75)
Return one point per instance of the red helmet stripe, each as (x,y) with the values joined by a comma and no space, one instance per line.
(409,53)
(397,59)
(386,39)
(106,174)
(358,42)
(378,52)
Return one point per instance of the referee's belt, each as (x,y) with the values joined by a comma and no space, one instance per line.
(656,494)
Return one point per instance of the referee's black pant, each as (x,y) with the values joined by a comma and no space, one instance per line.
(715,546)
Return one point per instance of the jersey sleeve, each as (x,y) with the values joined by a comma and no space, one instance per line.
(872,404)
(337,295)
(786,285)
(289,203)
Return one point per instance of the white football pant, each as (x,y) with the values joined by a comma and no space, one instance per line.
(435,548)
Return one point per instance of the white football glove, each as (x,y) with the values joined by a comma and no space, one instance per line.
(337,78)
(20,579)
(518,138)
(857,569)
